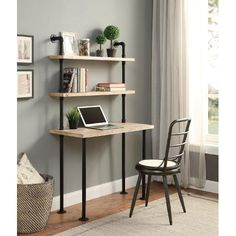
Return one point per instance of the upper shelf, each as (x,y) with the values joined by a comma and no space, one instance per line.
(88,58)
(91,94)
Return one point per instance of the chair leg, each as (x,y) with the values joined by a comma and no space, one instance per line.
(167,198)
(179,192)
(135,194)
(148,190)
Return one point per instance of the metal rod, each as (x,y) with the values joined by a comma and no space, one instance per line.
(123,109)
(54,38)
(61,76)
(83,217)
(61,156)
(61,144)
(61,160)
(143,157)
(123,71)
(123,81)
(61,113)
(123,120)
(123,165)
(61,177)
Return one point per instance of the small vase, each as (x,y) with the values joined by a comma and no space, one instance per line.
(111,52)
(73,124)
(99,53)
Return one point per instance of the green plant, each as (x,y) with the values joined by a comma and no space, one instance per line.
(101,39)
(73,115)
(111,32)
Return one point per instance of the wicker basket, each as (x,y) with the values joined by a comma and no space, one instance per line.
(34,202)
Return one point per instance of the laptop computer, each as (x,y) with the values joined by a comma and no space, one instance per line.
(94,117)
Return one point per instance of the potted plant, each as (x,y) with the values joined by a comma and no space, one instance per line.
(111,32)
(73,117)
(100,39)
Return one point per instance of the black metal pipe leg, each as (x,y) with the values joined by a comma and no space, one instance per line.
(179,192)
(123,119)
(167,198)
(123,165)
(143,188)
(143,158)
(148,190)
(135,195)
(83,218)
(61,210)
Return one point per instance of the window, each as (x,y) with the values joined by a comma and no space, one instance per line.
(213,70)
(203,73)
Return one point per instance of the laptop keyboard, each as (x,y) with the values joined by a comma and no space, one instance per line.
(103,127)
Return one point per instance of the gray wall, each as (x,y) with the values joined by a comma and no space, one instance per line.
(37,115)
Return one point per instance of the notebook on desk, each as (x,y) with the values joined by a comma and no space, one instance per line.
(94,117)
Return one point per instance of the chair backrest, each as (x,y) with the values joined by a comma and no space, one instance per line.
(176,140)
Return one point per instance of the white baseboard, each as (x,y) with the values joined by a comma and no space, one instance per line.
(115,186)
(211,186)
(93,192)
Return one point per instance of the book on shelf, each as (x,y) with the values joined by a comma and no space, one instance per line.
(111,85)
(68,78)
(83,80)
(75,80)
(107,89)
(86,79)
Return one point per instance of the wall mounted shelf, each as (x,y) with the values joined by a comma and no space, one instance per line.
(90,58)
(91,94)
(84,132)
(91,133)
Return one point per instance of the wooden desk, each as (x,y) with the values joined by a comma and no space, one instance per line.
(84,133)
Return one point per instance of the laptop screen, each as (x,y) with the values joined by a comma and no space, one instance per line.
(92,115)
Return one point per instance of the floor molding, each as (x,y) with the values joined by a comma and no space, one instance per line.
(93,192)
(115,186)
(211,186)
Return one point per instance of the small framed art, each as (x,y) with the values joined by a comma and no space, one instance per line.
(25,49)
(70,43)
(25,79)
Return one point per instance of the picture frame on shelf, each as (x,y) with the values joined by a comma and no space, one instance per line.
(25,49)
(25,80)
(70,43)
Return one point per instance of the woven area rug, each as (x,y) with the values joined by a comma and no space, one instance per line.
(201,219)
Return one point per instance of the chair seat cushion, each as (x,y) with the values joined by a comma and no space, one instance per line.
(158,164)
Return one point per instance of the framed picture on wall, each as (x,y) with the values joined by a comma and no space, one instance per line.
(25,49)
(25,80)
(70,43)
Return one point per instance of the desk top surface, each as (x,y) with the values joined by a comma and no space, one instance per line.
(90,133)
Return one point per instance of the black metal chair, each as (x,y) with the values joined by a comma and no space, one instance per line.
(170,165)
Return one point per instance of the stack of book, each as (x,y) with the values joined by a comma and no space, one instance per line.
(112,87)
(75,80)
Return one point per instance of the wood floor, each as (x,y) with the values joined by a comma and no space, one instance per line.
(101,207)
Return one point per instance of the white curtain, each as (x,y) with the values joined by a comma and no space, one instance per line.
(197,25)
(172,68)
